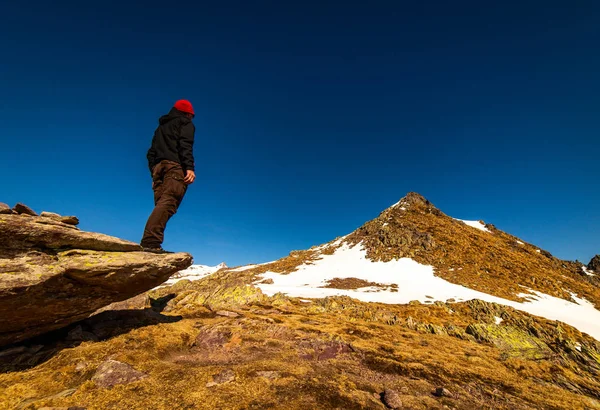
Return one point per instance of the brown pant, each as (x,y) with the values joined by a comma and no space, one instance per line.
(169,190)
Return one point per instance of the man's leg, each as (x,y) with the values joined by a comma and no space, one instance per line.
(169,190)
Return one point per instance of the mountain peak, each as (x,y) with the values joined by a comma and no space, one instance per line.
(412,199)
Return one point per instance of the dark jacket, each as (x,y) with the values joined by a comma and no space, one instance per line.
(173,140)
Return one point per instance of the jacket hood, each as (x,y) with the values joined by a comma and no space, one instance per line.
(172,115)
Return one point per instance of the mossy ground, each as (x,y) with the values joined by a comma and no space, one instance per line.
(335,353)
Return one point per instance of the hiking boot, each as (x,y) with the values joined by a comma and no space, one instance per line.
(155,250)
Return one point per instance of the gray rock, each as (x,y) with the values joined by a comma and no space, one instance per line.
(111,373)
(5,209)
(24,209)
(594,264)
(391,399)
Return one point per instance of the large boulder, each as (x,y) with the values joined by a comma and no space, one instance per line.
(52,274)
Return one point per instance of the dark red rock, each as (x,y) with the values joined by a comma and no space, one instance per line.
(24,209)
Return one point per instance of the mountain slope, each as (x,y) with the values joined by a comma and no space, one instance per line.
(222,342)
(413,251)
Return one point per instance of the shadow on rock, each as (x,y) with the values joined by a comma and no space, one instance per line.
(103,326)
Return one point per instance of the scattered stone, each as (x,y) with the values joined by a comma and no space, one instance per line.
(391,399)
(227,313)
(269,374)
(414,302)
(70,220)
(111,373)
(442,392)
(24,209)
(223,377)
(451,300)
(209,339)
(5,209)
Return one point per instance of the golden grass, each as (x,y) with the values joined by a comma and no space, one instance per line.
(332,353)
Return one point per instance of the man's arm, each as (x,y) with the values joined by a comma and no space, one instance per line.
(186,146)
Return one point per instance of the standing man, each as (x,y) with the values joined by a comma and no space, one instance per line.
(171,162)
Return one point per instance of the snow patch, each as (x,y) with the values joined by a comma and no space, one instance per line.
(587,271)
(246,267)
(415,282)
(520,243)
(498,320)
(475,224)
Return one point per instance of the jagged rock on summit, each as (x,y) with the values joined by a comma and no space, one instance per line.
(53,274)
(24,209)
(594,264)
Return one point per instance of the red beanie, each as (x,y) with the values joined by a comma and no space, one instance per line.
(184,106)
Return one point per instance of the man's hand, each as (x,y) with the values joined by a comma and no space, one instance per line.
(190,177)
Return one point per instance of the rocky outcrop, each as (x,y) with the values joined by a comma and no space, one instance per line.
(5,209)
(52,274)
(594,264)
(24,209)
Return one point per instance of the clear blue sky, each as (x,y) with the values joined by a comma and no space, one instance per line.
(312,117)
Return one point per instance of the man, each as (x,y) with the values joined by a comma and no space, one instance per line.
(171,162)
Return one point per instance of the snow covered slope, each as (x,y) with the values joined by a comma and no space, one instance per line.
(194,272)
(404,280)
